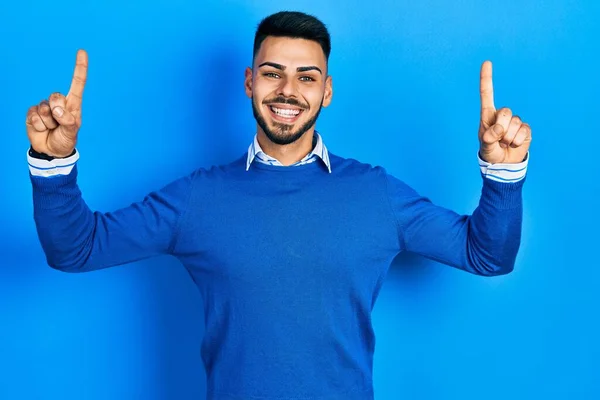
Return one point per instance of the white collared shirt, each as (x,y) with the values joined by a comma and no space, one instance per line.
(319,151)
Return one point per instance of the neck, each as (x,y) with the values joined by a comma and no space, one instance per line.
(287,154)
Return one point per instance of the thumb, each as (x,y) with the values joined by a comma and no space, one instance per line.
(493,135)
(490,149)
(64,118)
(61,140)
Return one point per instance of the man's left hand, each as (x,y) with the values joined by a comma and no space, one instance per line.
(503,137)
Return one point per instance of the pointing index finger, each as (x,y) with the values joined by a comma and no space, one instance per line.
(486,87)
(78,83)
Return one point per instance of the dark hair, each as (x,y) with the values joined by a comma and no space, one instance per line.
(293,24)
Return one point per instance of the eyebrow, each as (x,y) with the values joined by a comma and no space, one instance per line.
(283,67)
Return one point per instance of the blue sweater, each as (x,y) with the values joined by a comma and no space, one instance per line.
(289,261)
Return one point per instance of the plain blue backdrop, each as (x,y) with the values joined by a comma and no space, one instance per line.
(165,95)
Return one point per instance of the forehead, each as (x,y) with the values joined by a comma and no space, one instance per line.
(291,52)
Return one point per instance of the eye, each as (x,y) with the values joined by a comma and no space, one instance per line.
(271,75)
(306,79)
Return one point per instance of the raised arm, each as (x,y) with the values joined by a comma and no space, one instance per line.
(487,241)
(73,237)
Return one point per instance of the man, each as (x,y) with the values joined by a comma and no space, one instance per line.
(290,243)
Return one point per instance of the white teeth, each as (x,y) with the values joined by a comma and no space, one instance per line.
(285,112)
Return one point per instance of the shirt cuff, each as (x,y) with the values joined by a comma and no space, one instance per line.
(57,166)
(504,172)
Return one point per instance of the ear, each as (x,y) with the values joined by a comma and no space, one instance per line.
(248,81)
(328,91)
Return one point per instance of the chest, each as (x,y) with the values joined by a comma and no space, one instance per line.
(290,241)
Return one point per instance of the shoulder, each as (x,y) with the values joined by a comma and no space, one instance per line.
(373,174)
(220,171)
(355,168)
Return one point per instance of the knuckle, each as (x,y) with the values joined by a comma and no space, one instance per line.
(505,112)
(56,97)
(44,110)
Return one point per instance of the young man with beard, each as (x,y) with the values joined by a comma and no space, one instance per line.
(289,244)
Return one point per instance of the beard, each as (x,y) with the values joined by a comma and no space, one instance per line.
(283,133)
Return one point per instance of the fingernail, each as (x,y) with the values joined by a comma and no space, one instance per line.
(497,129)
(58,111)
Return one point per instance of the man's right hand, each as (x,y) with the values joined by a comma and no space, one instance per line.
(53,124)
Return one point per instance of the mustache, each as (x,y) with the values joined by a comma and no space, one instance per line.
(283,100)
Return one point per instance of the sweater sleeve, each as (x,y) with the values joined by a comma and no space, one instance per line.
(77,239)
(483,243)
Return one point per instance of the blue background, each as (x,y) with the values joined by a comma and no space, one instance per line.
(165,95)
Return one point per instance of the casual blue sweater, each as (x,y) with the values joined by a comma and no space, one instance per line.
(289,261)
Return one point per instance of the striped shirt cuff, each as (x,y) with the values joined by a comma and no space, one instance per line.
(58,166)
(504,172)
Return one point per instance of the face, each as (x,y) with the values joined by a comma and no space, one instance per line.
(288,85)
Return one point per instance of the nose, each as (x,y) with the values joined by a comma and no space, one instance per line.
(287,88)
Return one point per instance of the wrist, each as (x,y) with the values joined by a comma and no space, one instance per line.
(43,156)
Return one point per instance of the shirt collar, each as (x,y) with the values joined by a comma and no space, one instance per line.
(319,150)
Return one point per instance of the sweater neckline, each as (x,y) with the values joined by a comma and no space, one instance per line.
(313,167)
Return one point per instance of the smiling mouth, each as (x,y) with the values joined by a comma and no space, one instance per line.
(285,113)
